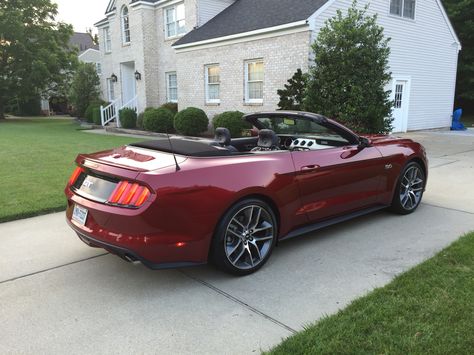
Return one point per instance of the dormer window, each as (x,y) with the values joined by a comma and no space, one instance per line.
(403,8)
(175,24)
(125,25)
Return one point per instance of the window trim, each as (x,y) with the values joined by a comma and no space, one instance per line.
(168,87)
(107,40)
(174,7)
(110,90)
(247,98)
(403,7)
(98,68)
(125,32)
(207,83)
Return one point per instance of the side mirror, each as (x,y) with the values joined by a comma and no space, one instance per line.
(363,143)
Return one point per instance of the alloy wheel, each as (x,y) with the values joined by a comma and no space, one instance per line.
(249,237)
(411,188)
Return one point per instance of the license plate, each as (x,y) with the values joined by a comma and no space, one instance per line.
(79,214)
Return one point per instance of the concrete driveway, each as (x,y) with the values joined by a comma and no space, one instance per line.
(58,296)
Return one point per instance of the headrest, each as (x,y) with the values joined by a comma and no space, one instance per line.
(267,139)
(223,136)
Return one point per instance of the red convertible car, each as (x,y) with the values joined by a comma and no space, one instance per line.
(182,201)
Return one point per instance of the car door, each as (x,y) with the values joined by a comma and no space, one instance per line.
(338,180)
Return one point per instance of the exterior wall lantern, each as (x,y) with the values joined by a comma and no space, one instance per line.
(138,75)
(114,78)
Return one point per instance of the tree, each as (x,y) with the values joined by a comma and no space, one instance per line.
(34,49)
(84,88)
(351,71)
(291,98)
(461,13)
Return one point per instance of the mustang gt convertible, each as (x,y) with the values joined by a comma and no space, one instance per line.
(184,201)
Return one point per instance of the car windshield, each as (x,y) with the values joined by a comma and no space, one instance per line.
(297,127)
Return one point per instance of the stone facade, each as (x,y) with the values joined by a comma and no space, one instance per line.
(282,56)
(149,52)
(152,54)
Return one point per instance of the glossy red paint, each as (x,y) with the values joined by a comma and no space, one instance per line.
(175,225)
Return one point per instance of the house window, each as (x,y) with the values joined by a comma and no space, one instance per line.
(110,90)
(213,83)
(98,68)
(403,8)
(125,26)
(107,40)
(254,73)
(175,23)
(171,87)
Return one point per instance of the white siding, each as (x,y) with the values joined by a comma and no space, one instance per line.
(423,49)
(207,9)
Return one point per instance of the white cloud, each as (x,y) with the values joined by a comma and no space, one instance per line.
(82,14)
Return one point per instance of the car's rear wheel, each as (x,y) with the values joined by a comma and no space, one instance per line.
(410,188)
(245,237)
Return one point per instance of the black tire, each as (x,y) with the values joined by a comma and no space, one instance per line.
(409,190)
(244,238)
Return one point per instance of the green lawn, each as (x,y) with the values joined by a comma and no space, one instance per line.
(468,120)
(36,159)
(428,310)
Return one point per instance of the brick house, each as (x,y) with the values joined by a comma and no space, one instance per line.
(222,55)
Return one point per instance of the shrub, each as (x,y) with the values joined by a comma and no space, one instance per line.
(128,118)
(84,88)
(140,118)
(232,120)
(292,96)
(96,116)
(351,73)
(30,107)
(172,106)
(191,121)
(158,120)
(89,113)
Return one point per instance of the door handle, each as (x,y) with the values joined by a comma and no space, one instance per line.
(309,168)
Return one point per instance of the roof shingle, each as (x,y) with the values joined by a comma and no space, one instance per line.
(250,15)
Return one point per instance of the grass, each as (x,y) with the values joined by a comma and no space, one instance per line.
(427,310)
(36,159)
(468,120)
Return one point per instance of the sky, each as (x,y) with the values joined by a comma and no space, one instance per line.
(82,14)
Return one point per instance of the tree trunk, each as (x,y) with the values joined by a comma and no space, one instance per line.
(2,110)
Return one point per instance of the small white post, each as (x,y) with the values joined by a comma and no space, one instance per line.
(102,115)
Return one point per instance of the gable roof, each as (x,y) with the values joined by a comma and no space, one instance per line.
(250,15)
(82,41)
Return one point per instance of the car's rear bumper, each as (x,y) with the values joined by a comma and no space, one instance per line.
(135,237)
(131,256)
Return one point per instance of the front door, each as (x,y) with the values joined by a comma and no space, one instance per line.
(338,180)
(128,82)
(400,94)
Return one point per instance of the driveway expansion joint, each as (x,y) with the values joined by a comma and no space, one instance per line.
(447,208)
(240,302)
(52,268)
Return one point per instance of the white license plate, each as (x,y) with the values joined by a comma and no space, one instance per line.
(79,214)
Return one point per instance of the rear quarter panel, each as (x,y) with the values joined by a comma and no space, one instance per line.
(190,202)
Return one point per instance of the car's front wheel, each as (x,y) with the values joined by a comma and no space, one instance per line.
(245,237)
(409,190)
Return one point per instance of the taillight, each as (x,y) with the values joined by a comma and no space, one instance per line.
(75,175)
(129,194)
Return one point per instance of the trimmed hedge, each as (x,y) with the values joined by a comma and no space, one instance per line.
(89,114)
(232,120)
(128,118)
(172,106)
(191,121)
(96,116)
(158,120)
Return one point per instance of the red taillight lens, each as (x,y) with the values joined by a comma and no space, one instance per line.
(75,175)
(129,194)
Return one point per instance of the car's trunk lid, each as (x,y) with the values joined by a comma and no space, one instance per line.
(132,158)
